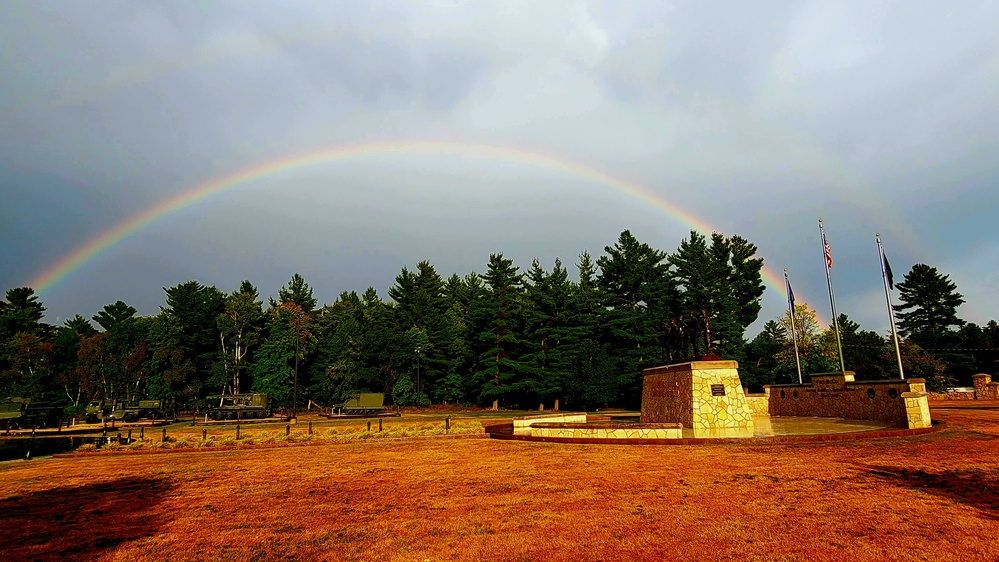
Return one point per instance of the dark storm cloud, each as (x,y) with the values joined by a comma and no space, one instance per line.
(757,118)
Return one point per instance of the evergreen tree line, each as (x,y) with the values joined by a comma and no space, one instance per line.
(503,337)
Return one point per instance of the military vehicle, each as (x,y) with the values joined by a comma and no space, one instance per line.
(239,406)
(99,410)
(96,411)
(364,404)
(22,413)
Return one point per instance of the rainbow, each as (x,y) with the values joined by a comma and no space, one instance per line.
(101,243)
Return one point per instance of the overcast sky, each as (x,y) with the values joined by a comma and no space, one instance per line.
(758,118)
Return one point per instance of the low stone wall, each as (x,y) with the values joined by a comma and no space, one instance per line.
(608,430)
(902,403)
(702,395)
(952,395)
(524,422)
(759,404)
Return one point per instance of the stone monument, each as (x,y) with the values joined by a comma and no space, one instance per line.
(706,396)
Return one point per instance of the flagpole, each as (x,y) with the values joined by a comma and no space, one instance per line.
(794,332)
(891,313)
(827,260)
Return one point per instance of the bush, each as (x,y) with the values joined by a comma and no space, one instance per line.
(300,437)
(87,448)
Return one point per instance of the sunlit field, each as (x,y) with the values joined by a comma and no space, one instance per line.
(932,497)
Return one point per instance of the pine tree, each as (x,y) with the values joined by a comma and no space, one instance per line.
(760,366)
(20,312)
(928,308)
(546,329)
(720,283)
(340,329)
(289,340)
(633,276)
(66,358)
(927,316)
(299,292)
(501,369)
(421,304)
(592,378)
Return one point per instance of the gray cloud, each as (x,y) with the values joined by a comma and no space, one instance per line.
(756,119)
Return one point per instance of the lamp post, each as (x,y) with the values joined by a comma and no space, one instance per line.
(294,399)
(418,376)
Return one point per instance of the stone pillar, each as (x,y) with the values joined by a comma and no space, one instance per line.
(917,408)
(985,389)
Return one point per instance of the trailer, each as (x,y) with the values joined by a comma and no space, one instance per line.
(366,404)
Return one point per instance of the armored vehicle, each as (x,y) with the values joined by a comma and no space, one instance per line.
(365,404)
(239,406)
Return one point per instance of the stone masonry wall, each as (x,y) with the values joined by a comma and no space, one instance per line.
(984,389)
(902,403)
(758,404)
(608,430)
(702,395)
(951,395)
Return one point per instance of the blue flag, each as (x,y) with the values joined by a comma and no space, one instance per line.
(790,293)
(888,275)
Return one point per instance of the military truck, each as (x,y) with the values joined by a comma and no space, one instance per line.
(364,404)
(99,410)
(22,413)
(239,406)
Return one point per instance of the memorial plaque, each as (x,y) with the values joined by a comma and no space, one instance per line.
(717,390)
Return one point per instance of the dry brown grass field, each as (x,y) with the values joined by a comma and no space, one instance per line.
(931,497)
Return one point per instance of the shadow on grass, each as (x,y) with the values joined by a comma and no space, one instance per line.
(976,488)
(81,521)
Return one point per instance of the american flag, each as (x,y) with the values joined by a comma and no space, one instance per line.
(827,249)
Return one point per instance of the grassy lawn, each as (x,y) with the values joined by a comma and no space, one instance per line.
(932,497)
